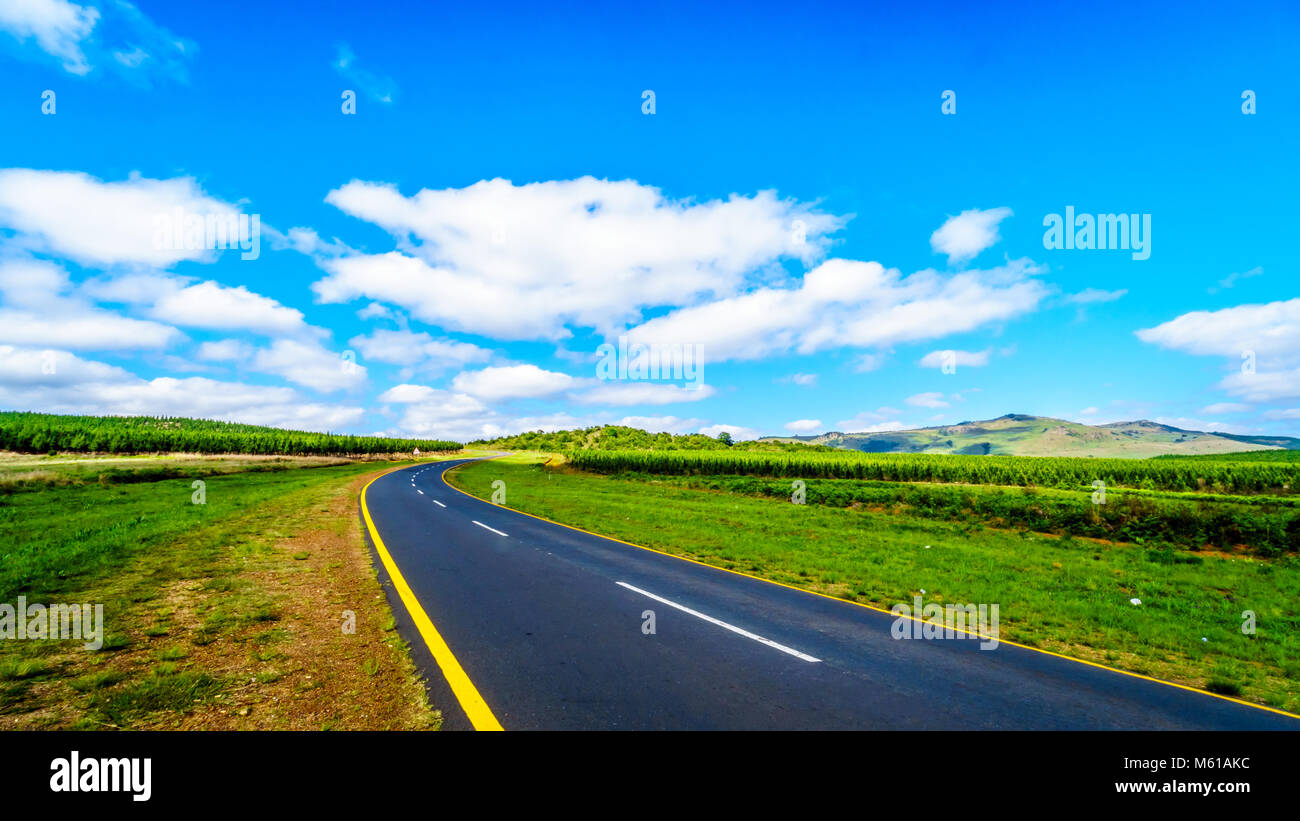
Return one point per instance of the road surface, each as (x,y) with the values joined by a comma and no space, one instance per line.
(522,624)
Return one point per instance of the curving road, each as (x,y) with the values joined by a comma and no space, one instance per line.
(524,624)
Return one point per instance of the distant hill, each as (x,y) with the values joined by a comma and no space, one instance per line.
(621,437)
(1019,434)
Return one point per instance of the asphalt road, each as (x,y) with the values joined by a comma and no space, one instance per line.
(546,624)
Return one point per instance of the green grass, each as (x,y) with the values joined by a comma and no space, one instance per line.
(1068,594)
(56,539)
(125,546)
(1243,456)
(1267,526)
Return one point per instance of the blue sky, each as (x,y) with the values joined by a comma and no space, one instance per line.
(558,215)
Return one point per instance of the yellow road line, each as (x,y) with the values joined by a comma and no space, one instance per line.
(480,715)
(443,476)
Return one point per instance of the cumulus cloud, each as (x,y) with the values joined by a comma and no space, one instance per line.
(441,414)
(404,347)
(964,236)
(1187,423)
(875,421)
(61,382)
(310,364)
(867,362)
(660,424)
(1271,330)
(848,303)
(1225,407)
(512,382)
(525,261)
(218,307)
(1267,336)
(103,224)
(1263,386)
(965,359)
(642,393)
(929,399)
(224,350)
(40,309)
(738,433)
(804,425)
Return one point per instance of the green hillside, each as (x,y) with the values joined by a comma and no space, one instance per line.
(618,437)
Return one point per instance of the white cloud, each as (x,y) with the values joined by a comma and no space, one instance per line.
(930,399)
(225,350)
(512,382)
(1266,335)
(1263,386)
(1225,407)
(132,289)
(964,359)
(804,425)
(442,414)
(1231,279)
(40,310)
(964,236)
(308,363)
(1283,413)
(376,311)
(218,307)
(73,34)
(84,386)
(57,26)
(407,393)
(642,393)
(867,362)
(738,432)
(523,262)
(877,427)
(1089,296)
(101,223)
(872,421)
(848,303)
(803,380)
(1271,330)
(1201,425)
(82,330)
(410,348)
(375,86)
(660,424)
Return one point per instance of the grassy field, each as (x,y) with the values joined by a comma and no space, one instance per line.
(227,614)
(1063,593)
(1280,478)
(1260,525)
